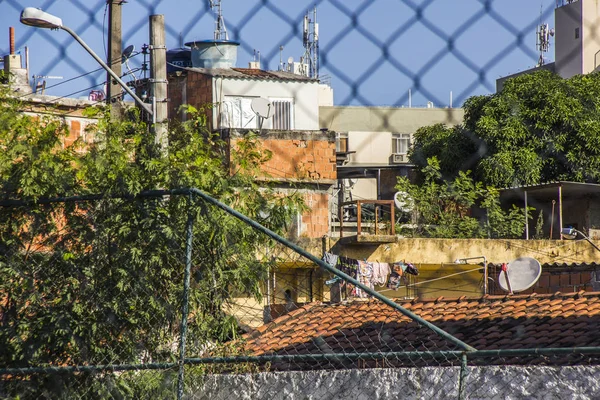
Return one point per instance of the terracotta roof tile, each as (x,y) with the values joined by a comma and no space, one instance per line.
(491,322)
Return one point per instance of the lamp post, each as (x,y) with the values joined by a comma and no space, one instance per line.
(37,18)
(485,269)
(571,233)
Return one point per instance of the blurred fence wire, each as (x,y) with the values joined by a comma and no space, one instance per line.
(383,52)
(164,295)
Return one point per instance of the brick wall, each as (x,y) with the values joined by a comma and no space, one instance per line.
(557,279)
(301,157)
(315,221)
(305,159)
(194,89)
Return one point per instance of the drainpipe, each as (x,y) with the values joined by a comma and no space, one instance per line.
(560,209)
(526,219)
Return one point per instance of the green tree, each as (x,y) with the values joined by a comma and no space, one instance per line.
(100,282)
(539,128)
(445,207)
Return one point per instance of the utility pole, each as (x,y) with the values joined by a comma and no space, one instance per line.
(114,95)
(158,80)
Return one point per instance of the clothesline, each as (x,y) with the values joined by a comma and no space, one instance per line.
(368,273)
(432,280)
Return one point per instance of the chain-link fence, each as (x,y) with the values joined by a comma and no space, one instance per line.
(169,294)
(363,46)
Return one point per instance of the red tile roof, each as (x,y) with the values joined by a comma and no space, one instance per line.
(488,323)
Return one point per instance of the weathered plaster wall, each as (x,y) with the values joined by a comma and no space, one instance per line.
(407,383)
(436,251)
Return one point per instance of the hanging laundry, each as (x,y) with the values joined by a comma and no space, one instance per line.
(411,269)
(363,275)
(331,259)
(380,273)
(396,275)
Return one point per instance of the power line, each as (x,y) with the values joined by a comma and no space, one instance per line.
(63,82)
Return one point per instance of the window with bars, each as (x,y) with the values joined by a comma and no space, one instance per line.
(283,114)
(400,143)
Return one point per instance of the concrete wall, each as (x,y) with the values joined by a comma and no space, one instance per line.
(500,81)
(568,48)
(305,94)
(577,382)
(591,39)
(437,251)
(69,111)
(385,119)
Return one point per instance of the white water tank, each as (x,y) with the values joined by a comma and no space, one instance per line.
(214,53)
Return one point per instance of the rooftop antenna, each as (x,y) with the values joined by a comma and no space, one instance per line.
(281,58)
(310,41)
(125,56)
(181,40)
(220,29)
(542,42)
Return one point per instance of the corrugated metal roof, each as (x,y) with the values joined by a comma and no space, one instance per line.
(251,74)
(550,190)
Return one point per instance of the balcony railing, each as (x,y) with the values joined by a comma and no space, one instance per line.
(372,217)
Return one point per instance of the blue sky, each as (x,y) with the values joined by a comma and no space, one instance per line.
(373,51)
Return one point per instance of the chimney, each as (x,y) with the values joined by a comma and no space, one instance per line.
(18,76)
(11,34)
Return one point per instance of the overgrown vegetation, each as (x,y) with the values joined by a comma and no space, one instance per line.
(539,128)
(100,282)
(443,208)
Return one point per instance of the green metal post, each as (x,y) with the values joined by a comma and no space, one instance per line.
(185,297)
(462,385)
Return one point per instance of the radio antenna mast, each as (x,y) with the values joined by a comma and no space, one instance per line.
(310,40)
(542,39)
(220,29)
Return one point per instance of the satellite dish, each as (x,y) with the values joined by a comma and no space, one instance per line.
(349,183)
(262,107)
(403,202)
(520,274)
(291,60)
(127,52)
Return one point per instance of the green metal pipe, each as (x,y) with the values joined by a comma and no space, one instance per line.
(334,271)
(185,297)
(443,354)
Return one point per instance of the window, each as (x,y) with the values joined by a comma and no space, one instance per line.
(400,143)
(341,142)
(237,113)
(576,33)
(283,114)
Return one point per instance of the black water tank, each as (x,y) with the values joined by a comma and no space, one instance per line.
(177,59)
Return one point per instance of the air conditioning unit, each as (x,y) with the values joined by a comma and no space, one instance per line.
(398,158)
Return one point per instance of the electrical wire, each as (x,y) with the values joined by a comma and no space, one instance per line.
(104,31)
(63,82)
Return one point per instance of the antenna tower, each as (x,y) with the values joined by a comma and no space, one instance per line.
(310,40)
(220,29)
(543,33)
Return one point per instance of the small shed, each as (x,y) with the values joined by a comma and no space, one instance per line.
(561,204)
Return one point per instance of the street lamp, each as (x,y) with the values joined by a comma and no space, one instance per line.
(485,269)
(37,18)
(571,233)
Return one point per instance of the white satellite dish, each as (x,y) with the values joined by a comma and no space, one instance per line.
(262,107)
(520,274)
(403,202)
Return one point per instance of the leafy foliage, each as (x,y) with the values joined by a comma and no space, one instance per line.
(100,282)
(444,208)
(539,128)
